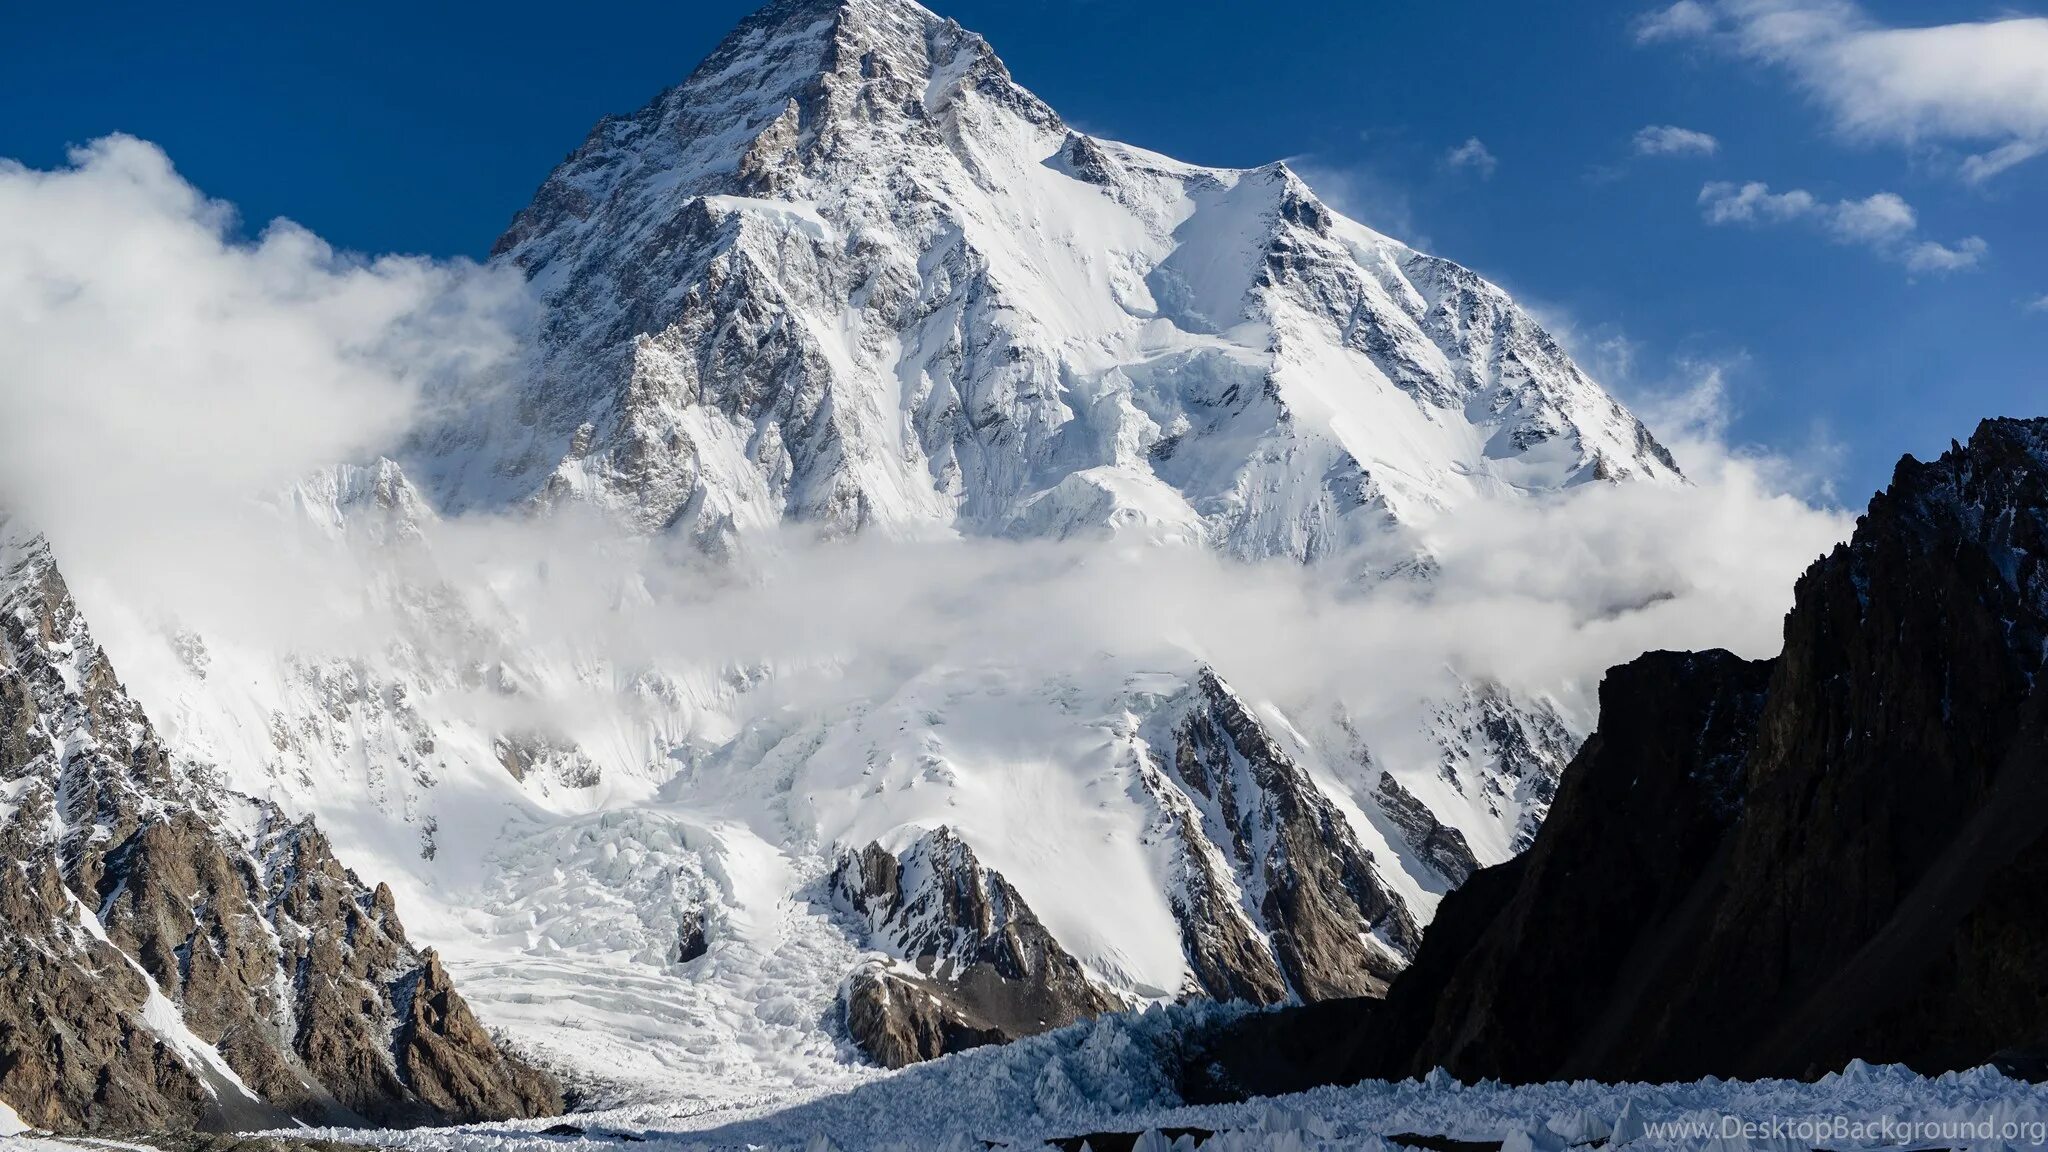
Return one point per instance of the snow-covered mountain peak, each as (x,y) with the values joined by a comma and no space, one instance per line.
(850,273)
(797,85)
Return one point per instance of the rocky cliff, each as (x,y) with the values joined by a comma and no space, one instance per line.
(967,963)
(176,955)
(1759,869)
(1318,919)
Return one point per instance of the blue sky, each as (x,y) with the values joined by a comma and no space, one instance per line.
(1840,338)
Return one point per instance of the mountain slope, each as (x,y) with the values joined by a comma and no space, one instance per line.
(177,954)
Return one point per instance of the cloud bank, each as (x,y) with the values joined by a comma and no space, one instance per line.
(166,378)
(163,372)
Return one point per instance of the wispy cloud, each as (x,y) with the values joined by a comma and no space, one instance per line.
(1928,256)
(1877,219)
(2037,304)
(1671,140)
(1472,154)
(1685,19)
(1365,193)
(1726,203)
(1882,222)
(1983,84)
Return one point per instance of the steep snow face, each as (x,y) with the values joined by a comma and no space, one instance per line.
(850,273)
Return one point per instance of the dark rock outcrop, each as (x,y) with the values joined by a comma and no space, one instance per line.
(1228,958)
(969,964)
(531,754)
(1767,869)
(1443,846)
(1526,953)
(691,941)
(1304,880)
(173,955)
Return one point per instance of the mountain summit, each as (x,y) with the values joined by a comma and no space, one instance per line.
(850,273)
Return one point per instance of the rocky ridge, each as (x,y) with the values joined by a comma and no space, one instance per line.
(973,964)
(177,955)
(1307,891)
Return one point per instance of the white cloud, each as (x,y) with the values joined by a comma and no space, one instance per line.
(1684,19)
(2038,304)
(1474,155)
(1928,256)
(1693,412)
(1876,220)
(1883,222)
(1726,203)
(1671,140)
(1979,168)
(1981,84)
(160,372)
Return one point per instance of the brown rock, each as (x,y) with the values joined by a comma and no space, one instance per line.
(125,876)
(975,965)
(1312,884)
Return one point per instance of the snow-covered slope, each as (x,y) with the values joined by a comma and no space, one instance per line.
(849,279)
(849,272)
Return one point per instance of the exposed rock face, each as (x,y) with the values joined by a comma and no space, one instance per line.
(691,941)
(1302,880)
(176,955)
(1882,893)
(1228,957)
(1513,968)
(1442,846)
(972,966)
(532,754)
(1509,752)
(1766,869)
